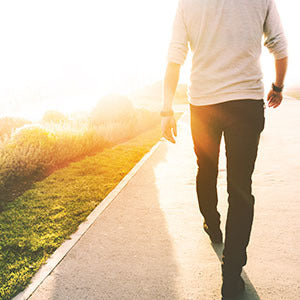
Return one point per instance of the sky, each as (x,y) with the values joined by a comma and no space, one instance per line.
(67,54)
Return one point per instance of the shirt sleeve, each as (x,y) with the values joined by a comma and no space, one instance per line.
(178,47)
(275,39)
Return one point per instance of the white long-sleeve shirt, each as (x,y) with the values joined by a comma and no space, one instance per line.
(225,37)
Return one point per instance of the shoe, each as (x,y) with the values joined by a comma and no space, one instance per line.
(232,288)
(216,237)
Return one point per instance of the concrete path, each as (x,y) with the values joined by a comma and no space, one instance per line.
(149,243)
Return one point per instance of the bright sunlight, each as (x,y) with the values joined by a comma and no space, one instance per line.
(66,55)
(81,98)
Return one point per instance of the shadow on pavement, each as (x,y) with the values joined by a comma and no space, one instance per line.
(126,254)
(250,292)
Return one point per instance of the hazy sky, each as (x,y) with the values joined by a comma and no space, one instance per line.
(61,51)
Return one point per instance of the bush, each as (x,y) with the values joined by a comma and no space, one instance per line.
(9,124)
(112,108)
(54,116)
(36,150)
(30,150)
(33,135)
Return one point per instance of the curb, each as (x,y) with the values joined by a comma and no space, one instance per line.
(58,255)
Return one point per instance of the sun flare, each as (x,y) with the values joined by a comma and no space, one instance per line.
(67,55)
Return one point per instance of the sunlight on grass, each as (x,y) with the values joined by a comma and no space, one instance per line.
(35,150)
(36,223)
(54,172)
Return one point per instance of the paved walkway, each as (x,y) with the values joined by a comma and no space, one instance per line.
(149,243)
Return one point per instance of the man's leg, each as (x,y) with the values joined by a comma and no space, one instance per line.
(206,134)
(245,121)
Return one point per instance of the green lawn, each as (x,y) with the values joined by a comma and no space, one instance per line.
(35,224)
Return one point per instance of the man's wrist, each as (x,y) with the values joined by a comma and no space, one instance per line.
(167,113)
(277,88)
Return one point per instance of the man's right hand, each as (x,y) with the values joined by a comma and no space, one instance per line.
(168,127)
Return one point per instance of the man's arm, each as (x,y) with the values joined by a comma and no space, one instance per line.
(168,123)
(275,98)
(177,53)
(277,44)
(170,84)
(280,67)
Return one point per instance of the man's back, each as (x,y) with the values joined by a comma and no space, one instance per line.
(225,37)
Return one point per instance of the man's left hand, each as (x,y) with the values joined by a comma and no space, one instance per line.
(274,99)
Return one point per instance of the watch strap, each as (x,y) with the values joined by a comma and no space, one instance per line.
(167,113)
(277,88)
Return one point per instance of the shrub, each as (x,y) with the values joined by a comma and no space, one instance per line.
(36,150)
(9,124)
(54,116)
(30,150)
(33,135)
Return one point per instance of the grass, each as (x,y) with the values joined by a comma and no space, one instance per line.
(36,223)
(33,152)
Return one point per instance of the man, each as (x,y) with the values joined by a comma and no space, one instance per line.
(226,98)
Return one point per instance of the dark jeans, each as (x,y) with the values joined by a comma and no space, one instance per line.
(241,122)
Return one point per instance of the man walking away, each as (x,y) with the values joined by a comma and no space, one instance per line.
(226,98)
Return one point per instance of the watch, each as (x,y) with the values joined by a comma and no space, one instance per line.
(167,113)
(276,88)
